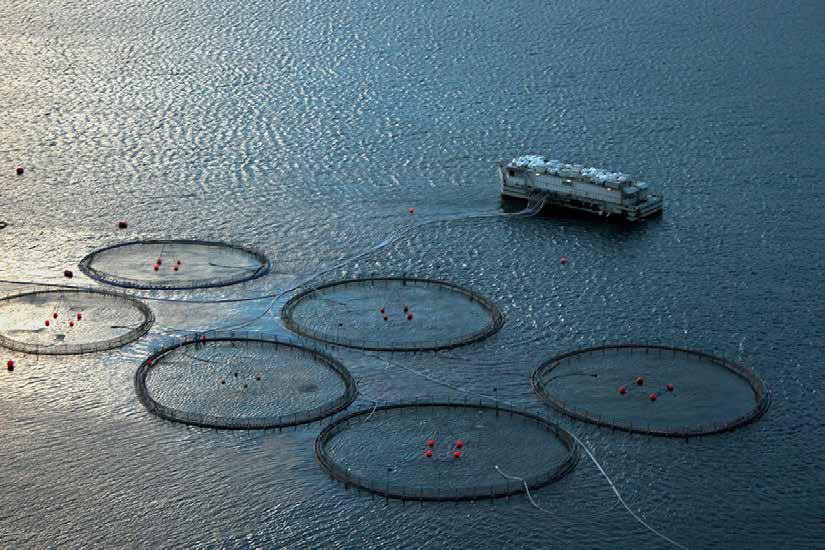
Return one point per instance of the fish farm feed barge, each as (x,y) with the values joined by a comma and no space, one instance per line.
(544,182)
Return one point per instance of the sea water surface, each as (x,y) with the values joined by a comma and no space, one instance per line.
(309,129)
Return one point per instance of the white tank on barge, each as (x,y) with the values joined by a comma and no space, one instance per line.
(542,181)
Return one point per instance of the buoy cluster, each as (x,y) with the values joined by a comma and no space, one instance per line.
(70,323)
(407,313)
(258,378)
(159,263)
(456,453)
(640,381)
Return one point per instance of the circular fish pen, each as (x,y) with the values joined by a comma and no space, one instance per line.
(652,390)
(71,321)
(445,451)
(392,314)
(174,264)
(241,381)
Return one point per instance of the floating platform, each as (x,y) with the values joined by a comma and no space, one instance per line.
(543,182)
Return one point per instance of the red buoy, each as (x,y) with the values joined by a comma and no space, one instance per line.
(412,210)
(178,262)
(176,268)
(457,454)
(382,310)
(47,322)
(20,169)
(79,316)
(386,318)
(652,396)
(640,381)
(10,364)
(459,444)
(54,315)
(406,309)
(122,225)
(149,362)
(622,390)
(670,387)
(160,262)
(430,443)
(409,317)
(563,260)
(428,453)
(68,273)
(71,323)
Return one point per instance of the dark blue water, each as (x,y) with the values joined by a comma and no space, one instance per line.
(308,129)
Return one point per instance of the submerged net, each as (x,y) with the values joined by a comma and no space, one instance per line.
(392,314)
(384,450)
(241,381)
(71,321)
(174,264)
(653,390)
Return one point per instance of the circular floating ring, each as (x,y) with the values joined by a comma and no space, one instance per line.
(392,314)
(240,381)
(445,451)
(174,264)
(652,390)
(71,321)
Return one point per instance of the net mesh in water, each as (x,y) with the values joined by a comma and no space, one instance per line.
(174,264)
(392,314)
(242,381)
(408,451)
(651,389)
(71,321)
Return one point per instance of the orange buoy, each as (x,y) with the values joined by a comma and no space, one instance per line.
(79,316)
(409,317)
(68,273)
(428,453)
(412,210)
(563,260)
(156,267)
(640,381)
(622,390)
(652,396)
(47,322)
(122,224)
(71,323)
(670,387)
(459,444)
(430,443)
(20,169)
(457,454)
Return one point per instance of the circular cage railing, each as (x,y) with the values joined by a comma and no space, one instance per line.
(501,486)
(177,280)
(89,296)
(541,376)
(296,418)
(379,343)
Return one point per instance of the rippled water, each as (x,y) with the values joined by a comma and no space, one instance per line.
(308,129)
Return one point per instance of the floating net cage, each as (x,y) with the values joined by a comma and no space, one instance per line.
(652,390)
(392,314)
(408,451)
(71,321)
(243,381)
(174,264)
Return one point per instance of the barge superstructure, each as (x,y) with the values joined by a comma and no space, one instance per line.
(574,186)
